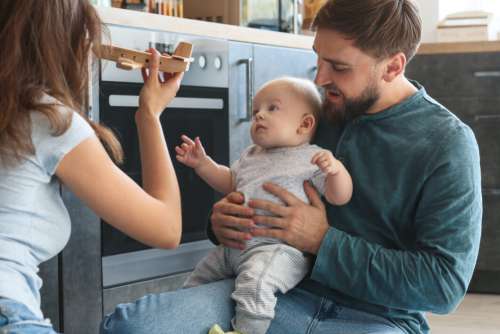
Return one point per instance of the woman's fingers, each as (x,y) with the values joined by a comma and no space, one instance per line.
(144,73)
(154,63)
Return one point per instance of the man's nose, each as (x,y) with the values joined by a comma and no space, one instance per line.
(322,76)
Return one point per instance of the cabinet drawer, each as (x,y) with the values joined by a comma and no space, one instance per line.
(489,252)
(486,278)
(487,131)
(473,74)
(467,108)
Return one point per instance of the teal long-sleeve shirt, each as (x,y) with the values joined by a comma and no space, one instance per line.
(408,240)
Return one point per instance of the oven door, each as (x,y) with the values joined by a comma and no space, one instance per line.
(196,111)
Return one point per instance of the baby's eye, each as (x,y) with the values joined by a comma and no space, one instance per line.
(273,107)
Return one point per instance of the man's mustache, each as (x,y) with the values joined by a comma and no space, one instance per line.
(333,89)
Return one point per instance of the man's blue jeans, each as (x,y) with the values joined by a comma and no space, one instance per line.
(16,318)
(195,310)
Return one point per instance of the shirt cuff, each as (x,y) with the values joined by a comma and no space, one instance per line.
(324,259)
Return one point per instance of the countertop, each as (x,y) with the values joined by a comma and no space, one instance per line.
(136,19)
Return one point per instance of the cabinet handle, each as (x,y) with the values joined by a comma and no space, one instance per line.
(486,118)
(487,74)
(491,192)
(249,82)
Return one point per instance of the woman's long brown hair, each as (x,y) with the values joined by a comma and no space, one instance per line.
(45,48)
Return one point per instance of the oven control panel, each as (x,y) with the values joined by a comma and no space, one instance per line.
(209,69)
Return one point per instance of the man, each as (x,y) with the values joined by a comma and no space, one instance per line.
(407,241)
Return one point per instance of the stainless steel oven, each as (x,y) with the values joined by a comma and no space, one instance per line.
(200,109)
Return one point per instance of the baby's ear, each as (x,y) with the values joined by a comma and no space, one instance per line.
(307,124)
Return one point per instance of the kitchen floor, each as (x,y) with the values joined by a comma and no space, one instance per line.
(477,314)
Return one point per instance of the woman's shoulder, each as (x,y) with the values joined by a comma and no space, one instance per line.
(56,133)
(60,116)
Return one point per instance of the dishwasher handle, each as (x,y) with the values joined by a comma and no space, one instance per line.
(249,70)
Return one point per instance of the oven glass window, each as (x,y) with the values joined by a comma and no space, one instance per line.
(193,119)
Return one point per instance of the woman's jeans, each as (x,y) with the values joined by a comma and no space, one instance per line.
(195,310)
(16,318)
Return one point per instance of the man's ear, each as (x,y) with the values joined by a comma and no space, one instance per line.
(307,124)
(395,65)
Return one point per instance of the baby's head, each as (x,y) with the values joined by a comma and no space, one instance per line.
(285,113)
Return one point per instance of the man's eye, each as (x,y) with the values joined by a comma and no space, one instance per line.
(273,107)
(340,68)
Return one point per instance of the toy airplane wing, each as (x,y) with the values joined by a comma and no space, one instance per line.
(129,59)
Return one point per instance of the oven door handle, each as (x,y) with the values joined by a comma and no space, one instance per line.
(248,62)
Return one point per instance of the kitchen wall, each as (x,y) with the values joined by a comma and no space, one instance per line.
(432,11)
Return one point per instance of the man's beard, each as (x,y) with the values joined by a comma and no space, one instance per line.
(352,107)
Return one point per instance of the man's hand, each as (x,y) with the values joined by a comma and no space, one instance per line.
(231,221)
(298,224)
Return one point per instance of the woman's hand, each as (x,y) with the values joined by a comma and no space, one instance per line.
(158,90)
(191,153)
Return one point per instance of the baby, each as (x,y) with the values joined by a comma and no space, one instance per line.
(285,116)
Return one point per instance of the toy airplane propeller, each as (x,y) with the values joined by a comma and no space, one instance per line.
(128,59)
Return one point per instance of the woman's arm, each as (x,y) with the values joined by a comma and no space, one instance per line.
(152,215)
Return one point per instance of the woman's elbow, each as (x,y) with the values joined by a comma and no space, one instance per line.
(171,230)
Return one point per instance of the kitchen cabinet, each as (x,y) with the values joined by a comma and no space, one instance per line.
(272,62)
(252,65)
(241,91)
(71,294)
(49,272)
(468,84)
(80,270)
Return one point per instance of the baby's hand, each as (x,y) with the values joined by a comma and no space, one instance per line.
(326,162)
(191,153)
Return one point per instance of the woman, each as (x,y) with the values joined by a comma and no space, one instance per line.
(46,139)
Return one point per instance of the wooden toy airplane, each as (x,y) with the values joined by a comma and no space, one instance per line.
(128,59)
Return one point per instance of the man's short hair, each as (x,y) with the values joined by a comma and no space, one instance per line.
(380,28)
